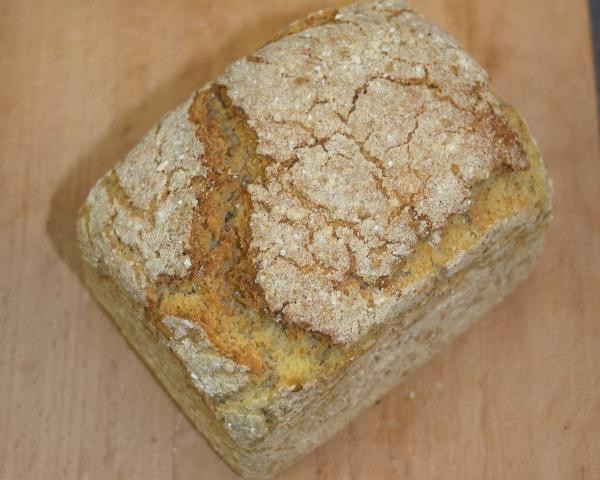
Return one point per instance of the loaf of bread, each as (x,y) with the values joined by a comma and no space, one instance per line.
(306,230)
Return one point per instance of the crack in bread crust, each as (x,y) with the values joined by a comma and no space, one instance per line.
(224,297)
(372,145)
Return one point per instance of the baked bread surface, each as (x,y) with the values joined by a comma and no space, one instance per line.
(306,230)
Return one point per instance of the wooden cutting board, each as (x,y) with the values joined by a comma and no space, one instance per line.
(517,397)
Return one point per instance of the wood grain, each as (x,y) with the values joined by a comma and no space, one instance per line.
(518,396)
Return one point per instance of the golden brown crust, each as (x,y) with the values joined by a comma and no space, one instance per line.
(206,312)
(223,200)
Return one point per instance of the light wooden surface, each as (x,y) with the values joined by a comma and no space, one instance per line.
(517,397)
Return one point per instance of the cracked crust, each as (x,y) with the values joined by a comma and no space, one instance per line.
(135,224)
(135,228)
(377,125)
(356,172)
(370,128)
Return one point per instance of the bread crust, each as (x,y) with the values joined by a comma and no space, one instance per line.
(135,225)
(303,232)
(377,125)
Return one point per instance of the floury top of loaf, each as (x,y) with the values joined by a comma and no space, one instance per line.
(372,126)
(377,125)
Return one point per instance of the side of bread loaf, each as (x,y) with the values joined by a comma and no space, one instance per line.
(302,233)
